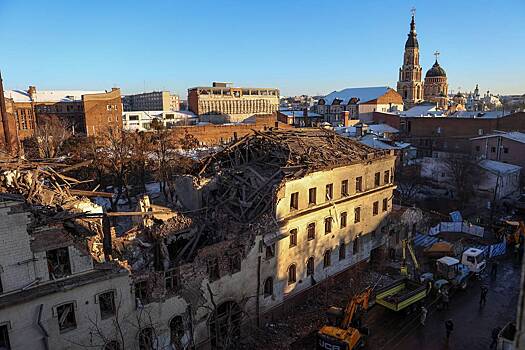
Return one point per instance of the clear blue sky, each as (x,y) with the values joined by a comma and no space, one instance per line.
(298,46)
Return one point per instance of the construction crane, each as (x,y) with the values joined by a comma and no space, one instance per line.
(344,331)
(407,245)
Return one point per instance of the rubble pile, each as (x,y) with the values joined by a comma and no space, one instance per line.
(250,168)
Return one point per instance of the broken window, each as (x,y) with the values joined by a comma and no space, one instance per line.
(66,317)
(357,215)
(225,323)
(58,263)
(292,278)
(377,179)
(112,345)
(270,251)
(106,303)
(342,251)
(375,208)
(355,248)
(293,237)
(235,262)
(310,266)
(344,188)
(385,204)
(171,280)
(327,225)
(141,293)
(327,258)
(146,336)
(329,192)
(312,196)
(343,219)
(359,184)
(386,177)
(177,331)
(294,201)
(311,231)
(4,337)
(268,287)
(213,269)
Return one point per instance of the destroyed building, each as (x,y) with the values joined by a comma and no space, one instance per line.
(258,222)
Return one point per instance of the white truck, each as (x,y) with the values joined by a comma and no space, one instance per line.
(455,273)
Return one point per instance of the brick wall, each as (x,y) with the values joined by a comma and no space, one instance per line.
(102,111)
(213,134)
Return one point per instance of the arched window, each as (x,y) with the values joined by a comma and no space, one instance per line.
(292,272)
(342,251)
(405,92)
(310,266)
(327,258)
(146,336)
(112,345)
(176,331)
(268,287)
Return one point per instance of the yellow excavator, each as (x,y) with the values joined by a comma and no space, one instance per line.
(344,331)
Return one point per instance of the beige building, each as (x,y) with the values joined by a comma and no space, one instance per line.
(436,86)
(151,101)
(292,219)
(223,103)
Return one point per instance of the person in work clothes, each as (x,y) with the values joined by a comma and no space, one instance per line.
(446,300)
(495,334)
(423,316)
(483,296)
(449,327)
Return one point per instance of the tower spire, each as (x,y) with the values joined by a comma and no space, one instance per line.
(413,21)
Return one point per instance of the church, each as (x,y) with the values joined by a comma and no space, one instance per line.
(410,86)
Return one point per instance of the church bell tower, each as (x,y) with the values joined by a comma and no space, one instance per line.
(410,86)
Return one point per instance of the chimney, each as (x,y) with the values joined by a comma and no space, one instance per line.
(346,118)
(31,91)
(358,129)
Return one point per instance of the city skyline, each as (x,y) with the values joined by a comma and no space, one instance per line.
(306,48)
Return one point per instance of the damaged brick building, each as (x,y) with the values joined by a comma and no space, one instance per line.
(260,221)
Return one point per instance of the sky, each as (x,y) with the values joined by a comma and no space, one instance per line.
(300,47)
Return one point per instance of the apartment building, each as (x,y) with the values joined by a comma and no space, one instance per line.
(86,112)
(223,103)
(360,103)
(151,101)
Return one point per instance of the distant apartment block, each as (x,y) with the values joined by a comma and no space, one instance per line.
(151,101)
(360,103)
(144,120)
(85,112)
(223,103)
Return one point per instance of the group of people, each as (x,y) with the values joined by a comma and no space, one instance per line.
(445,302)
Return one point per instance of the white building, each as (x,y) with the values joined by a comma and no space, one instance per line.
(499,179)
(142,120)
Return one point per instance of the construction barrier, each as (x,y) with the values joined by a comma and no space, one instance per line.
(457,227)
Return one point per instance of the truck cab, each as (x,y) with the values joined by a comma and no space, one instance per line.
(474,259)
(451,270)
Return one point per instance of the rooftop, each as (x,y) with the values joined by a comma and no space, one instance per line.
(498,167)
(298,114)
(512,135)
(362,94)
(49,96)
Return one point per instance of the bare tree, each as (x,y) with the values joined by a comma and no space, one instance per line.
(409,182)
(48,139)
(464,174)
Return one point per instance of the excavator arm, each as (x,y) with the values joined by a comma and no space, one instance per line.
(360,300)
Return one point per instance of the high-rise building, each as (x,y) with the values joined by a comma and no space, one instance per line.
(410,86)
(151,101)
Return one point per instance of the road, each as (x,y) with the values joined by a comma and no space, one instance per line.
(472,324)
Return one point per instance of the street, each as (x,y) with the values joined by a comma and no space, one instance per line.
(472,325)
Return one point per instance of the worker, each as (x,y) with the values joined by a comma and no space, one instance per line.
(483,296)
(449,327)
(494,269)
(423,316)
(495,334)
